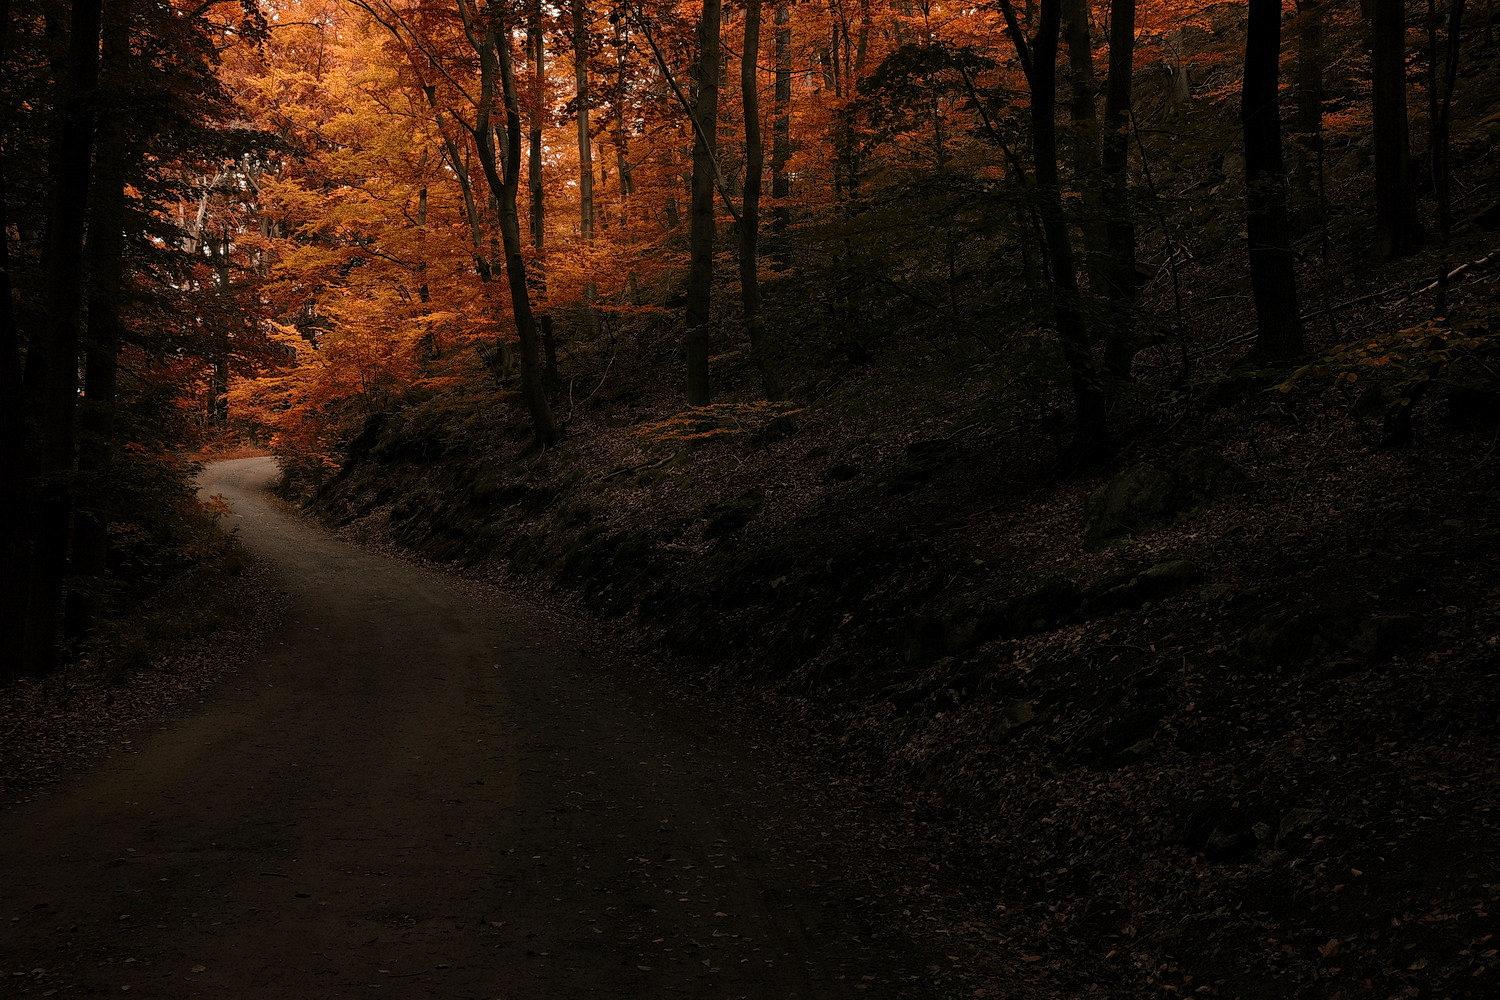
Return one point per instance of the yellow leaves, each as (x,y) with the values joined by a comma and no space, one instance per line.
(1461,353)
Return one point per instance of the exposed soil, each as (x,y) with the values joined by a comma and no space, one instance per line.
(422,786)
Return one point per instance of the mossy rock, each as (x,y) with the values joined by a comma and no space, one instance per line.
(1145,496)
(1050,604)
(725,517)
(1334,632)
(1137,499)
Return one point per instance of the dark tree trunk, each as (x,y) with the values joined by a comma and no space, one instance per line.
(105,332)
(701,212)
(1311,57)
(585,145)
(781,133)
(1440,132)
(750,213)
(1273,278)
(1396,232)
(1083,86)
(52,355)
(218,377)
(503,173)
(623,166)
(585,154)
(13,458)
(1119,228)
(537,216)
(1039,62)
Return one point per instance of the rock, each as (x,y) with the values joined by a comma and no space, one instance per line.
(1216,593)
(1016,715)
(1054,602)
(1292,638)
(1141,497)
(1144,496)
(1126,736)
(1489,219)
(1283,638)
(1295,826)
(1132,589)
(1222,844)
(1378,636)
(728,516)
(1174,574)
(924,639)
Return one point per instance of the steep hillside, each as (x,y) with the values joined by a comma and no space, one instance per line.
(1215,718)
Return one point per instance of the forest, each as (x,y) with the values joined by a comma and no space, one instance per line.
(1077,419)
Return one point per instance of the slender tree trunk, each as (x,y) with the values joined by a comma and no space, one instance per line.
(218,379)
(781,133)
(503,172)
(52,355)
(701,212)
(1273,278)
(105,332)
(585,154)
(1083,85)
(1396,232)
(1039,62)
(1119,227)
(1442,117)
(1309,128)
(536,44)
(585,146)
(13,458)
(623,166)
(750,213)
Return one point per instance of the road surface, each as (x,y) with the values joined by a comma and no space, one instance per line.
(421,787)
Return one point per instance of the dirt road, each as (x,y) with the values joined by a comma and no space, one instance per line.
(423,788)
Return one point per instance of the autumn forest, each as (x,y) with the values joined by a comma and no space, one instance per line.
(968,382)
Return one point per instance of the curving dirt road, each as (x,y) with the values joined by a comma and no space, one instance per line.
(423,788)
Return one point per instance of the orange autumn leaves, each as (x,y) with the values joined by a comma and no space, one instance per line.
(378,244)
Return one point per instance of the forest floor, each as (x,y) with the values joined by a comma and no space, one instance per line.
(1241,748)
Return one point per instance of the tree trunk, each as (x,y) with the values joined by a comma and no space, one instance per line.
(1119,228)
(1039,62)
(218,379)
(701,211)
(781,133)
(1310,209)
(1273,278)
(623,166)
(503,172)
(1083,116)
(750,213)
(537,216)
(1396,232)
(52,355)
(585,147)
(585,155)
(1442,115)
(13,457)
(105,331)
